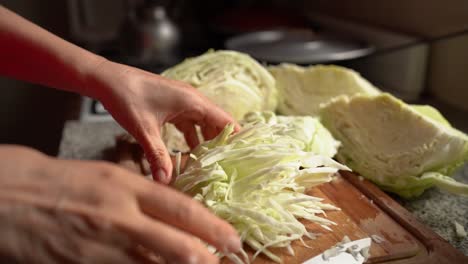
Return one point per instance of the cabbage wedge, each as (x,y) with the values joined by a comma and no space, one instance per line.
(302,90)
(404,149)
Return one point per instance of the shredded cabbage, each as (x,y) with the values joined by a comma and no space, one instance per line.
(256,179)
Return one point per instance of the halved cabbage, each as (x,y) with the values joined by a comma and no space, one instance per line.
(402,148)
(301,90)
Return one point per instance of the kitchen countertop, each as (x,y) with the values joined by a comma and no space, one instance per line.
(436,209)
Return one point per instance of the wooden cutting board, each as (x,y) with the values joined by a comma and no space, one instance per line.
(366,211)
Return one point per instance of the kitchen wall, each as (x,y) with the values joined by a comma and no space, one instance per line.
(429,18)
(30,114)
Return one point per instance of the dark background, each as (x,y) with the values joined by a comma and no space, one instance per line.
(33,115)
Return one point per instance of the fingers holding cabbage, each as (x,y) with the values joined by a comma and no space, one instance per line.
(234,81)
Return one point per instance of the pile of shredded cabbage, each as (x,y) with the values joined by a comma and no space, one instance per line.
(256,179)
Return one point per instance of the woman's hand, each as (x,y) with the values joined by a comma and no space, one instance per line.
(55,211)
(142,102)
(59,211)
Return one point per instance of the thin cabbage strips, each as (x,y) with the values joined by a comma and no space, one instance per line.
(256,179)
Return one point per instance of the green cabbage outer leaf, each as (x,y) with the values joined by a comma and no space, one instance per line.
(432,113)
(232,80)
(256,179)
(396,146)
(302,90)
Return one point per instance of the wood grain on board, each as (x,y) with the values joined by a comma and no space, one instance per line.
(358,218)
(366,211)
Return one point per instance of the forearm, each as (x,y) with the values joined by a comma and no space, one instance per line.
(30,53)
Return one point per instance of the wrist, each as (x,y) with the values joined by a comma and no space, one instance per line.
(92,76)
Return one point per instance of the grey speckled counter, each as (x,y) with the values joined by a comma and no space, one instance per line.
(438,210)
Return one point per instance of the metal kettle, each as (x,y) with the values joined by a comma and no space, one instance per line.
(150,36)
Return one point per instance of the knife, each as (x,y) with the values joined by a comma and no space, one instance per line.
(345,252)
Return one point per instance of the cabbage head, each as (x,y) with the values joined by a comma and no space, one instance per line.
(232,80)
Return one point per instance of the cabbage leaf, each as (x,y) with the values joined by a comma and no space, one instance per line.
(302,90)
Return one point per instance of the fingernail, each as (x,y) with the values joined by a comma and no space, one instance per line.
(233,244)
(160,175)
